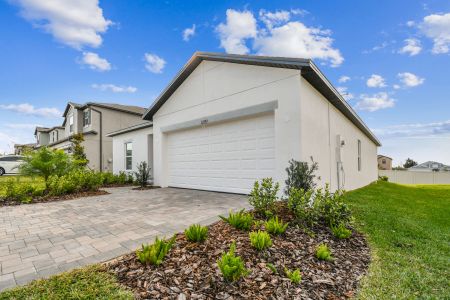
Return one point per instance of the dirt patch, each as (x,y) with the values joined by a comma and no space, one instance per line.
(55,198)
(190,270)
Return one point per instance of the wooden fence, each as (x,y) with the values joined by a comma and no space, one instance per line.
(414,177)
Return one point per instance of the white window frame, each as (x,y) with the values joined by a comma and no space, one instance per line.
(71,123)
(128,156)
(88,112)
(359,156)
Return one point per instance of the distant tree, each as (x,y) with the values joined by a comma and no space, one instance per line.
(409,163)
(79,156)
(398,168)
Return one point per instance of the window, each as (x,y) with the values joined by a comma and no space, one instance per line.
(128,156)
(11,158)
(55,136)
(86,117)
(383,161)
(359,155)
(71,123)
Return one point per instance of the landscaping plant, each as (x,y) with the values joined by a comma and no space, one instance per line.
(142,174)
(154,254)
(231,266)
(196,233)
(239,220)
(78,154)
(263,196)
(300,203)
(260,240)
(272,268)
(300,176)
(275,226)
(341,232)
(295,276)
(323,252)
(331,207)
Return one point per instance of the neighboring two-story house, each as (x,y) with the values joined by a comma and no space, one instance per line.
(384,162)
(94,120)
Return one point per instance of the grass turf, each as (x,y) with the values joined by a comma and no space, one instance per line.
(408,227)
(86,283)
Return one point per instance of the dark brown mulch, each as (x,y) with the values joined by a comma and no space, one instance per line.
(190,270)
(117,185)
(55,198)
(148,187)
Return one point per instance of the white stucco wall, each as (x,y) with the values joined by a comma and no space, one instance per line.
(142,148)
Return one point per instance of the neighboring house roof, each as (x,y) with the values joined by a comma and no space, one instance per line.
(380,156)
(24,145)
(430,165)
(68,138)
(137,110)
(46,129)
(308,70)
(130,129)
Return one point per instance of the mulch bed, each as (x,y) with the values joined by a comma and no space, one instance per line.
(55,198)
(190,270)
(148,187)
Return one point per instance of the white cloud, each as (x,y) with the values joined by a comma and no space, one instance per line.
(28,109)
(239,27)
(410,23)
(412,47)
(375,102)
(114,88)
(345,93)
(437,28)
(188,33)
(154,63)
(22,126)
(76,23)
(396,86)
(274,18)
(344,79)
(376,81)
(410,79)
(415,129)
(95,62)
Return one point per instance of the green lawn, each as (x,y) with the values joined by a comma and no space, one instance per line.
(408,228)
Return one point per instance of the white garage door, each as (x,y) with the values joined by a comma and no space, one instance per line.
(225,157)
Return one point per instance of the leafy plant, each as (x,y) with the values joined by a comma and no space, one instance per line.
(18,192)
(196,233)
(78,154)
(275,226)
(323,252)
(154,254)
(295,276)
(77,180)
(300,176)
(260,240)
(239,220)
(272,268)
(341,232)
(383,178)
(142,174)
(331,207)
(300,202)
(231,266)
(263,196)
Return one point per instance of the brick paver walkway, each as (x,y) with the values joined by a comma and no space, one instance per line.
(39,240)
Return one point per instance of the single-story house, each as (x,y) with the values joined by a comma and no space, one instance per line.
(227,120)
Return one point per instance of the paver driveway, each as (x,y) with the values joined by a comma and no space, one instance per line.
(39,240)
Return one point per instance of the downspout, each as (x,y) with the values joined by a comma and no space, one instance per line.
(101,137)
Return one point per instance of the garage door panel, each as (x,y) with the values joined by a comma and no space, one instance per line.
(225,157)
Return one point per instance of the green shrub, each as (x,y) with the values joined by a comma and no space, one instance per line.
(323,252)
(196,233)
(331,207)
(272,268)
(142,174)
(341,232)
(109,178)
(18,192)
(239,220)
(300,176)
(231,266)
(78,154)
(78,180)
(260,240)
(122,178)
(154,254)
(295,276)
(263,196)
(383,178)
(300,204)
(275,226)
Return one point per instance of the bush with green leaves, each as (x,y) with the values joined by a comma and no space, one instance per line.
(300,203)
(77,180)
(383,178)
(231,266)
(196,233)
(300,175)
(294,275)
(155,253)
(331,207)
(78,154)
(142,174)
(239,220)
(20,192)
(260,240)
(341,231)
(263,196)
(275,226)
(323,252)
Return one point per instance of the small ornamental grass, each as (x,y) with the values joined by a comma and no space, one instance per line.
(275,226)
(260,240)
(154,254)
(341,232)
(196,233)
(294,275)
(323,252)
(232,266)
(239,220)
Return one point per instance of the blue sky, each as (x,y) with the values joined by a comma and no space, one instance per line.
(390,59)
